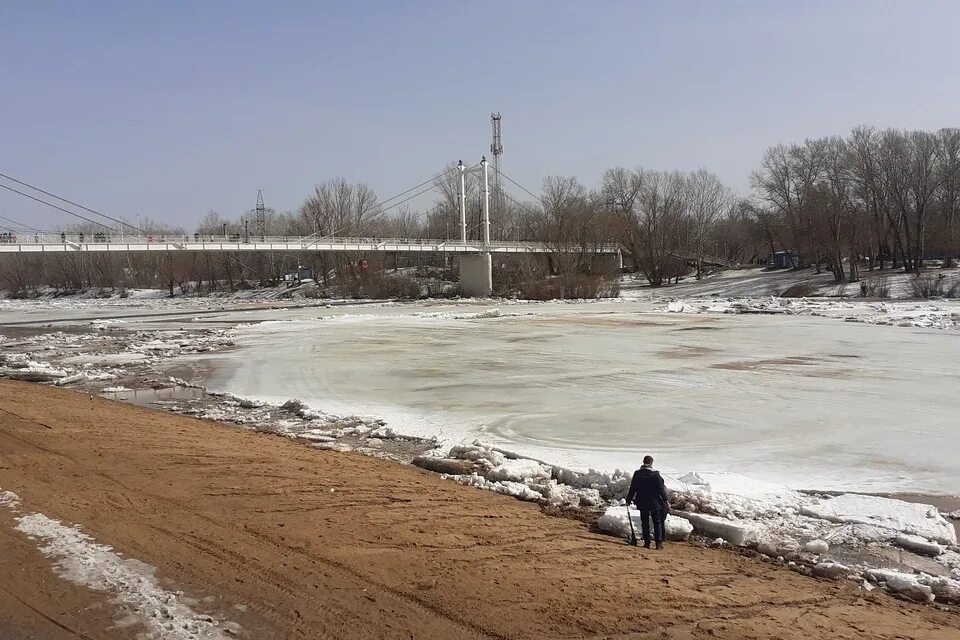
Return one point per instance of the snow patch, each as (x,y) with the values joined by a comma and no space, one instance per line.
(80,559)
(9,499)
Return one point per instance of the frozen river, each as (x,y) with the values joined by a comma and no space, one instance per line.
(805,401)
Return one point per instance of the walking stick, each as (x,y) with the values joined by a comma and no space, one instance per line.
(633,534)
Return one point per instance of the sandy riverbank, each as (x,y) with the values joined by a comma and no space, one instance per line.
(287,541)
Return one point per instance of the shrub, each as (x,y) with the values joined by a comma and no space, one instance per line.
(570,286)
(954,290)
(444,290)
(924,284)
(799,290)
(383,286)
(877,287)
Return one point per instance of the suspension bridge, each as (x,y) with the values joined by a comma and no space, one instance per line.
(112,235)
(100,243)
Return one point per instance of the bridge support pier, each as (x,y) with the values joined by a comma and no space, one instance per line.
(611,263)
(476,275)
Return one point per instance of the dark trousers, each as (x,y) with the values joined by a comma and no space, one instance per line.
(657,515)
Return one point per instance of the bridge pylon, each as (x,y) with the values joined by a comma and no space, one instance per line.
(476,270)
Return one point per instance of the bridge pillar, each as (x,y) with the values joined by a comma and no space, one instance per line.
(614,262)
(476,275)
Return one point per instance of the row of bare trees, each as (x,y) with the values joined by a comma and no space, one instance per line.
(873,197)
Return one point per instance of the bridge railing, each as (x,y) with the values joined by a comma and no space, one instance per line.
(91,241)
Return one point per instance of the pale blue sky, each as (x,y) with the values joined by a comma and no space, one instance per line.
(170,109)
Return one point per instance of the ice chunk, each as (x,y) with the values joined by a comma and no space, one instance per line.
(609,485)
(918,519)
(34,372)
(775,547)
(515,489)
(477,453)
(919,545)
(518,471)
(816,546)
(614,520)
(905,584)
(831,570)
(736,532)
(945,589)
(450,466)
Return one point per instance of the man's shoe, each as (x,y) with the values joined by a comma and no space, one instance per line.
(659,546)
(646,545)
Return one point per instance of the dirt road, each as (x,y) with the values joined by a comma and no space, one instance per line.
(292,542)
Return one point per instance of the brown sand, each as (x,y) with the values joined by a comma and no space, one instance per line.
(317,544)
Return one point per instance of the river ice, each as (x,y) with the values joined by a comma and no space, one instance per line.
(810,402)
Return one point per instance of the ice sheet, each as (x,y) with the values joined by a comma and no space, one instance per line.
(802,401)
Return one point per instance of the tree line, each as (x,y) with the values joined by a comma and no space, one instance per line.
(874,199)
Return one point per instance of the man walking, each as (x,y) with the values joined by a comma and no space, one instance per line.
(649,494)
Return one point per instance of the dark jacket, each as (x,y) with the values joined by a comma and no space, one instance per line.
(647,490)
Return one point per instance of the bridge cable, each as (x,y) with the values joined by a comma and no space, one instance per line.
(530,193)
(77,215)
(381,210)
(425,182)
(25,226)
(79,206)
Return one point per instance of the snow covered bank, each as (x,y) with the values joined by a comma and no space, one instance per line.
(66,359)
(132,585)
(757,282)
(20,366)
(943,314)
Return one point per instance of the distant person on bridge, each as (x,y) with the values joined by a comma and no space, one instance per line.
(649,494)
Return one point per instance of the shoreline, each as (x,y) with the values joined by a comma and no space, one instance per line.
(748,520)
(301,525)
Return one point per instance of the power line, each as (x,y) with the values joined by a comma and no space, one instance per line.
(79,206)
(77,215)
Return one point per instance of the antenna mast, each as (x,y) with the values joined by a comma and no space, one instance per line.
(496,148)
(261,216)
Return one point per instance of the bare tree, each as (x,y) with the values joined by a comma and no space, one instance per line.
(948,197)
(337,207)
(708,200)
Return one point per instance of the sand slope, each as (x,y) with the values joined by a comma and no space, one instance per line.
(291,542)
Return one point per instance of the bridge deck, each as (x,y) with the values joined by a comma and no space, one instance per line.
(103,243)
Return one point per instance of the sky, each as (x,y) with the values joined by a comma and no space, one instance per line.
(168,110)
